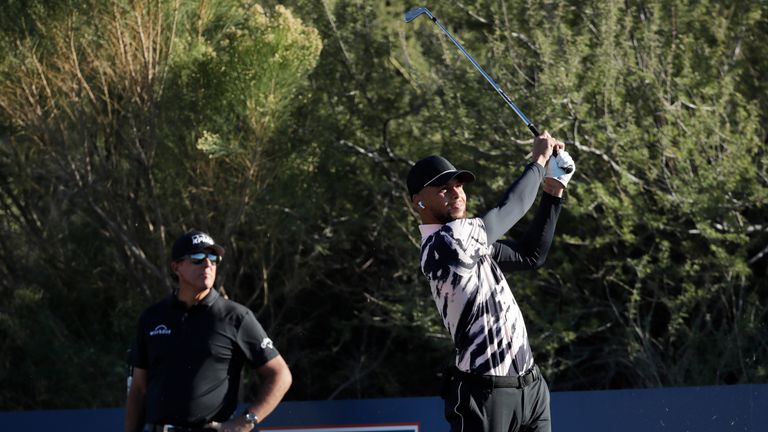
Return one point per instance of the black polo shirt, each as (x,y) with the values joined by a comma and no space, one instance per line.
(194,357)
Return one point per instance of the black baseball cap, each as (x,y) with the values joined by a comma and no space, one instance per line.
(194,241)
(434,171)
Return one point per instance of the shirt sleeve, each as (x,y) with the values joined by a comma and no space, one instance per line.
(531,251)
(517,200)
(254,342)
(138,356)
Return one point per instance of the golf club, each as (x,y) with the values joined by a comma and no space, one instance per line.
(416,12)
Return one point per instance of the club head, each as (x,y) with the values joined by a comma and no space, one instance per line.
(415,12)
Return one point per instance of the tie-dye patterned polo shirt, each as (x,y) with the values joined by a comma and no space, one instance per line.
(474,299)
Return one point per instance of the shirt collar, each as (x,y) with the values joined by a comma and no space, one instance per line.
(208,300)
(428,229)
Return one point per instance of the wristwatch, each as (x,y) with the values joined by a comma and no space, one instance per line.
(251,418)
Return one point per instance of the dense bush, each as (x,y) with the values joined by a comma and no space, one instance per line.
(286,132)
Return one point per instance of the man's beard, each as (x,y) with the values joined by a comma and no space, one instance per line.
(450,217)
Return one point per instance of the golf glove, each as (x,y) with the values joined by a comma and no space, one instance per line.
(557,165)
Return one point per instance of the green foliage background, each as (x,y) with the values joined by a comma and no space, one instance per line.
(286,129)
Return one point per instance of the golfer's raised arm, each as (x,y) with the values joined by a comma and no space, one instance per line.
(519,198)
(531,251)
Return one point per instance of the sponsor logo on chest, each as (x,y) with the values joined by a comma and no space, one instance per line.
(160,330)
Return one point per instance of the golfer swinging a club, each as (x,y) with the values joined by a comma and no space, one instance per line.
(495,384)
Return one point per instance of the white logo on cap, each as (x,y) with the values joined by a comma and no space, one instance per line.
(201,238)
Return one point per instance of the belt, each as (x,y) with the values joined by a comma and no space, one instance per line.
(527,378)
(208,427)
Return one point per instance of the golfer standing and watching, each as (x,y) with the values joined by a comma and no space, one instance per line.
(190,349)
(495,384)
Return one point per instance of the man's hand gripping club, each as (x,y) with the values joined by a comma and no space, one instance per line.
(558,169)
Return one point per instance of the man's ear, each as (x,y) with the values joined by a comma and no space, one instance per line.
(417,203)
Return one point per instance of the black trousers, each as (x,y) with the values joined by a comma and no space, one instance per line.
(474,404)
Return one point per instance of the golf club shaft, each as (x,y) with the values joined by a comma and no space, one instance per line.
(416,12)
(488,78)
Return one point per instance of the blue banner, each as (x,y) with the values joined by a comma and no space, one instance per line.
(700,409)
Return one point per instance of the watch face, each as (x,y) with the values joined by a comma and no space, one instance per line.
(251,418)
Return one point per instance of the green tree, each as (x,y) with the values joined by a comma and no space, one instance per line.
(652,267)
(111,151)
(124,123)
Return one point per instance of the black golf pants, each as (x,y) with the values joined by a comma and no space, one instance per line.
(476,405)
